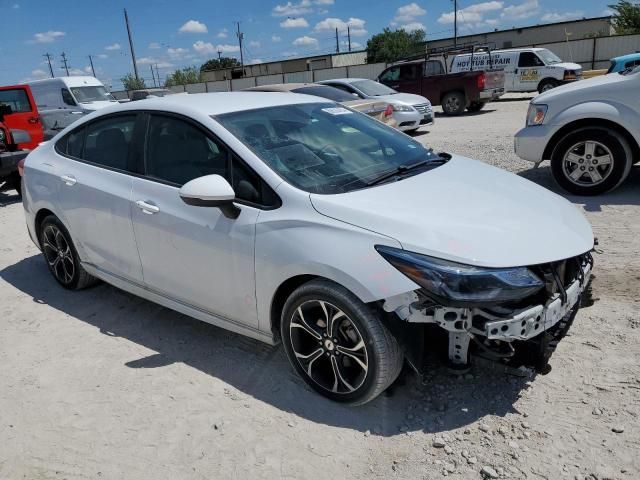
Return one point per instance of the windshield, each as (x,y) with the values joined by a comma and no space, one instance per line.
(323,147)
(373,89)
(548,57)
(328,92)
(91,94)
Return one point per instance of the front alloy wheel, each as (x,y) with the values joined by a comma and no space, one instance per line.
(337,344)
(328,346)
(591,161)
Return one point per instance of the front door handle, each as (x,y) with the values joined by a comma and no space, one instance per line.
(147,207)
(68,180)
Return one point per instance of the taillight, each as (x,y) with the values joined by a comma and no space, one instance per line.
(21,167)
(388,111)
(481,81)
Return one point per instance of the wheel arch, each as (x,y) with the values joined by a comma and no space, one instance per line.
(280,296)
(40,216)
(591,123)
(547,80)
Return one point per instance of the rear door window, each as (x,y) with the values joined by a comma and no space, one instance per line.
(391,75)
(17,99)
(433,67)
(107,141)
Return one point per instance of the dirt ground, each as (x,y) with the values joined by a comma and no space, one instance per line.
(102,384)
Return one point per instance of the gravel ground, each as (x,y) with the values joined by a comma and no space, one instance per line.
(101,384)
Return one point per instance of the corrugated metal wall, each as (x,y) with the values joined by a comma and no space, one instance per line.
(591,53)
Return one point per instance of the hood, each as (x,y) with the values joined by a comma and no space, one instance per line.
(607,85)
(469,212)
(409,98)
(567,65)
(96,105)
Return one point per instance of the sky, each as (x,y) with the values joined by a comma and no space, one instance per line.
(176,34)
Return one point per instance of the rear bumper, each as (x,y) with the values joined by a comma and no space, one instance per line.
(491,94)
(530,142)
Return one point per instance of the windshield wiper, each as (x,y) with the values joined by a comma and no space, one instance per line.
(399,170)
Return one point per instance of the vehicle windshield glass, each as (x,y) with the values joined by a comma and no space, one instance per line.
(91,94)
(373,89)
(548,57)
(328,92)
(323,147)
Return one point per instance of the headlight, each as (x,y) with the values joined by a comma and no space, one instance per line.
(536,114)
(398,107)
(463,284)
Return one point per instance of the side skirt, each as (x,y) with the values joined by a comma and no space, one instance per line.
(152,296)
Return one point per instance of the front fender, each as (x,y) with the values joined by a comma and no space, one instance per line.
(615,112)
(321,247)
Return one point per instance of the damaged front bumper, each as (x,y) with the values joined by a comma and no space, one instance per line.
(499,333)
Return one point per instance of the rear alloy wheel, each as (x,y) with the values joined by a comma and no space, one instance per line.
(337,344)
(453,103)
(591,161)
(61,255)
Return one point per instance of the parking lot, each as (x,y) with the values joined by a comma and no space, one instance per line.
(101,384)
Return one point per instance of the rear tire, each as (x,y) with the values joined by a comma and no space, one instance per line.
(453,103)
(61,255)
(591,161)
(338,344)
(476,106)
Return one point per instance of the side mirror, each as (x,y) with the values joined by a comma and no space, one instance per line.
(210,191)
(20,136)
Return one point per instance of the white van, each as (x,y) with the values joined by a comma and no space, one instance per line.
(525,69)
(80,93)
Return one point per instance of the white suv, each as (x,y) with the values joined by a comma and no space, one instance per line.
(590,130)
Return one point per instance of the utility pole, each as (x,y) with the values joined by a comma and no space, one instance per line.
(337,42)
(153,76)
(158,75)
(133,55)
(93,70)
(455,23)
(64,61)
(240,38)
(349,36)
(219,55)
(48,56)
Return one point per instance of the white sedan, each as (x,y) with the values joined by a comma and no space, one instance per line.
(286,217)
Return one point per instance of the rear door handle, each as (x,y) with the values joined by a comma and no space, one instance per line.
(147,207)
(69,180)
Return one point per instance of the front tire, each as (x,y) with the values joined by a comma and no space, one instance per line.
(61,255)
(591,161)
(547,85)
(338,344)
(453,103)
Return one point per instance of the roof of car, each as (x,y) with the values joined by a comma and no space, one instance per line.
(281,87)
(215,103)
(343,80)
(628,56)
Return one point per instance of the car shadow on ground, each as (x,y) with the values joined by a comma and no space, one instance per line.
(442,403)
(466,113)
(626,194)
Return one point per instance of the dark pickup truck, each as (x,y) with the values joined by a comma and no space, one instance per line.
(454,91)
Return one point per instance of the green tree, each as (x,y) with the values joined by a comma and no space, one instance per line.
(215,64)
(627,17)
(184,76)
(390,46)
(132,83)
